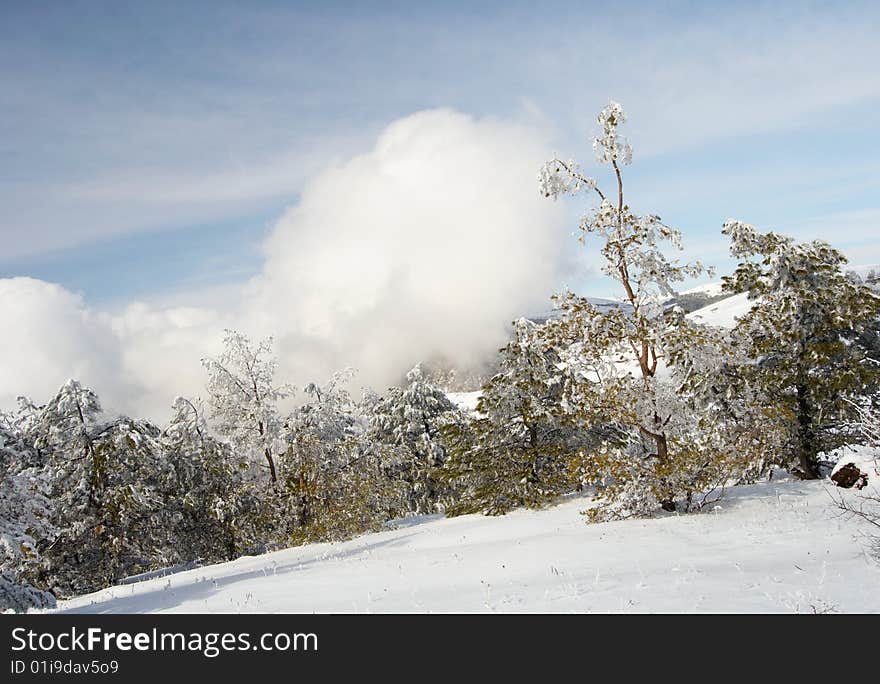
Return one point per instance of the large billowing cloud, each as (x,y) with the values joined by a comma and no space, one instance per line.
(427,245)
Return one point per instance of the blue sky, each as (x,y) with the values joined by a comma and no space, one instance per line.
(147,148)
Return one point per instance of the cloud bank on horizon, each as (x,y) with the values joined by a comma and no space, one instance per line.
(429,244)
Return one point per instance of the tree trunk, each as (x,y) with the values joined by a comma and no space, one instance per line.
(662,447)
(271,463)
(806,439)
(304,512)
(668,503)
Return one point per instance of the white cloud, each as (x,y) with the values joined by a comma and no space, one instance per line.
(136,361)
(428,244)
(160,352)
(48,336)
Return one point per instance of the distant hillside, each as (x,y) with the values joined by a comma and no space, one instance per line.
(689,300)
(699,297)
(599,302)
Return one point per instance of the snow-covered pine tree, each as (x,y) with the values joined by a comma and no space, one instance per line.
(67,423)
(722,420)
(23,523)
(243,397)
(807,333)
(410,419)
(333,480)
(105,485)
(219,514)
(18,596)
(615,354)
(514,452)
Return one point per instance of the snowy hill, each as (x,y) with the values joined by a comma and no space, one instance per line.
(704,302)
(709,290)
(868,272)
(777,546)
(724,312)
(601,303)
(466,401)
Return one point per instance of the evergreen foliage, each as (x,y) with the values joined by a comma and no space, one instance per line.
(810,334)
(103,479)
(515,451)
(333,481)
(23,523)
(215,503)
(410,420)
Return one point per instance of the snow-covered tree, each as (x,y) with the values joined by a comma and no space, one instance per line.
(618,356)
(515,451)
(217,508)
(333,480)
(807,333)
(411,419)
(23,523)
(723,433)
(104,480)
(243,396)
(67,424)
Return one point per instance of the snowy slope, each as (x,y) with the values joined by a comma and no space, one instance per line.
(466,401)
(709,289)
(778,546)
(724,313)
(601,303)
(864,270)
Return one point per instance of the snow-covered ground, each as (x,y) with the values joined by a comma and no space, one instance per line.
(466,401)
(725,313)
(715,289)
(779,546)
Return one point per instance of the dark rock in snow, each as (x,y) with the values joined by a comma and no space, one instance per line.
(849,476)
